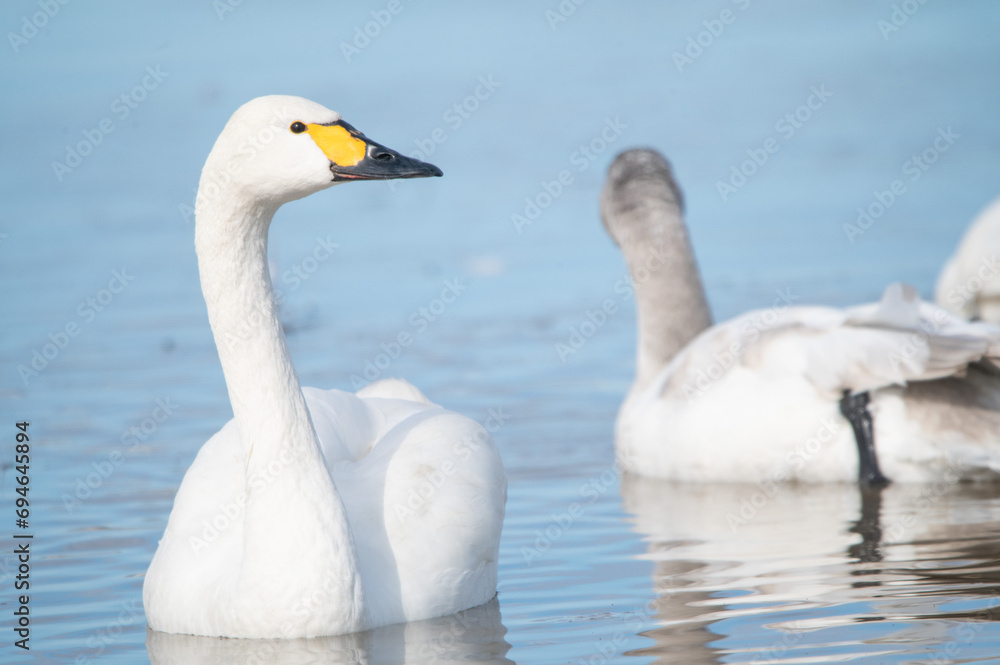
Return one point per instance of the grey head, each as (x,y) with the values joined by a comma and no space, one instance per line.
(640,185)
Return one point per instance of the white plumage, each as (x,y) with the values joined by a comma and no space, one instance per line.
(756,398)
(313,512)
(969,283)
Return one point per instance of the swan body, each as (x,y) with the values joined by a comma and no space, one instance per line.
(756,398)
(969,283)
(313,512)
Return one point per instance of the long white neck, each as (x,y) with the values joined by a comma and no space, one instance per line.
(264,389)
(291,498)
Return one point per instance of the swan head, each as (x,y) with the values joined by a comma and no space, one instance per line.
(640,188)
(281,148)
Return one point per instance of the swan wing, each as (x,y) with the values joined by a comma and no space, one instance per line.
(903,339)
(424,490)
(895,341)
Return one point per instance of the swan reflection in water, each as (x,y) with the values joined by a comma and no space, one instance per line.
(742,573)
(475,636)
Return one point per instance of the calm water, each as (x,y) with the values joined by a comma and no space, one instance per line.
(594,568)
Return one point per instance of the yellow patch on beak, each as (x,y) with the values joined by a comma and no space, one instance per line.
(339,145)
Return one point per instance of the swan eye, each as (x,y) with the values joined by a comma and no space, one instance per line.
(297,127)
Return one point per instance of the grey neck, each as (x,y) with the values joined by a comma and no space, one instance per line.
(645,219)
(670,298)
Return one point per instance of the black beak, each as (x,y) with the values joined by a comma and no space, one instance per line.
(381,163)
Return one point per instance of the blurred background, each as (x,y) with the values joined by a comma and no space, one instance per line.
(111,111)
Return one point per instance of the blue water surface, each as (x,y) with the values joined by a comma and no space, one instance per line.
(637,571)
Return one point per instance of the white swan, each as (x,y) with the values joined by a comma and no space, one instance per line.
(313,512)
(969,283)
(761,398)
